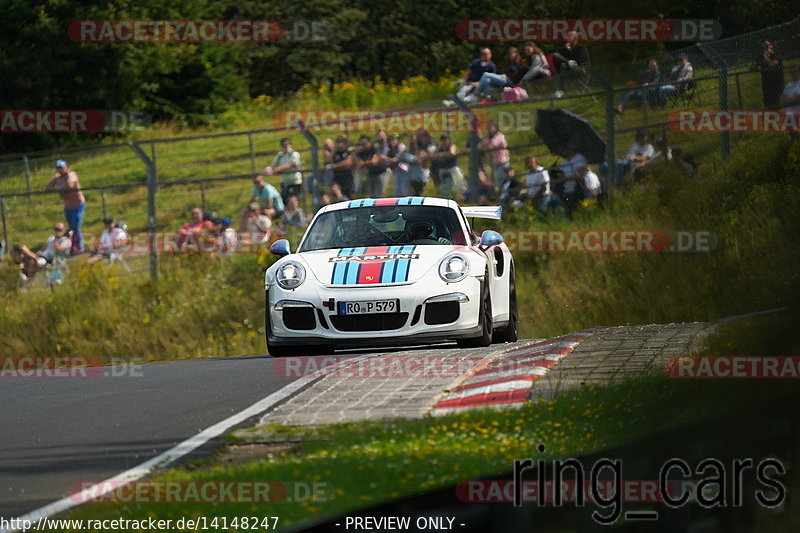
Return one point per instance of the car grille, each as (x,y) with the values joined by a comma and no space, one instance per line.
(376,322)
(299,318)
(442,312)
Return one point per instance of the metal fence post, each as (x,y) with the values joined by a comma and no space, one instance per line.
(103,200)
(3,218)
(27,168)
(474,154)
(252,153)
(153,158)
(151,204)
(611,159)
(312,179)
(725,136)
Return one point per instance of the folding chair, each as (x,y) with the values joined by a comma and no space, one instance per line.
(687,94)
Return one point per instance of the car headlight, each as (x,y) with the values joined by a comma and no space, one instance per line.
(290,275)
(453,268)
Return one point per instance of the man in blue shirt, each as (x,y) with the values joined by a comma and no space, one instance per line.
(473,75)
(267,197)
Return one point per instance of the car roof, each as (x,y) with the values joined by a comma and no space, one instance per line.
(407,200)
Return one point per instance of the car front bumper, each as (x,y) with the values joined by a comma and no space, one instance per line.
(429,310)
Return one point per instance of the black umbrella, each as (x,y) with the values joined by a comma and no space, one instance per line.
(560,129)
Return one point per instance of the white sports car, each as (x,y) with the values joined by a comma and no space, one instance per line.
(391,271)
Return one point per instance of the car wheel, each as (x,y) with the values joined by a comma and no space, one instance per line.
(485,338)
(510,333)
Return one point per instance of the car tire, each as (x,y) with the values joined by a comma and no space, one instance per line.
(510,333)
(485,338)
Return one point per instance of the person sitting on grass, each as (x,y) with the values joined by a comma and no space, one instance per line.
(255,227)
(268,197)
(537,187)
(111,241)
(538,68)
(511,77)
(293,216)
(472,77)
(56,248)
(193,233)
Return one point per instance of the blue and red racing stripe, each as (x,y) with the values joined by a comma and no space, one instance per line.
(353,272)
(369,202)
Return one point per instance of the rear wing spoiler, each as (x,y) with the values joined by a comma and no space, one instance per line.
(483,211)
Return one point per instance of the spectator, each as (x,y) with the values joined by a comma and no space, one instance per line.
(294,216)
(568,181)
(378,166)
(679,162)
(771,68)
(267,197)
(255,226)
(336,193)
(538,69)
(451,179)
(569,60)
(397,157)
(195,232)
(662,154)
(679,79)
(342,163)
(226,241)
(472,77)
(495,142)
(639,154)
(512,76)
(422,146)
(790,97)
(65,182)
(328,149)
(589,182)
(57,248)
(650,76)
(287,164)
(510,188)
(537,187)
(111,241)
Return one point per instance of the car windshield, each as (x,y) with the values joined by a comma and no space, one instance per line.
(384,226)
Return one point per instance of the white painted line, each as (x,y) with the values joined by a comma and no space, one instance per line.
(504,386)
(174,453)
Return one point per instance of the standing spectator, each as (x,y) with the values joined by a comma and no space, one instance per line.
(342,163)
(336,193)
(294,216)
(537,187)
(771,68)
(510,189)
(287,164)
(377,166)
(569,60)
(679,79)
(328,149)
(397,156)
(472,77)
(267,197)
(495,142)
(193,233)
(65,182)
(538,69)
(512,76)
(111,241)
(568,183)
(649,77)
(421,148)
(451,179)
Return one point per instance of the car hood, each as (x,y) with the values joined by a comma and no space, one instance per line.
(376,265)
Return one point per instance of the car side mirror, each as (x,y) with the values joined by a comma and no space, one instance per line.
(280,247)
(490,238)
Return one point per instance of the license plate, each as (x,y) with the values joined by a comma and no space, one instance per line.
(371,307)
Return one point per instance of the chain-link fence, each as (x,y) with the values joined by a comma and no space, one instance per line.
(153,184)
